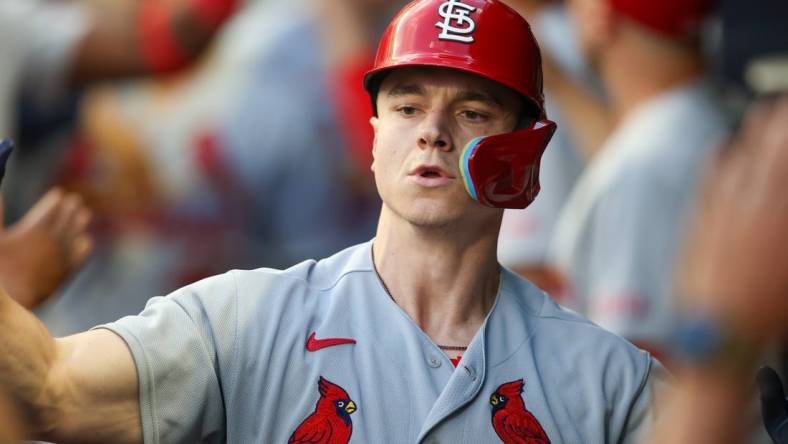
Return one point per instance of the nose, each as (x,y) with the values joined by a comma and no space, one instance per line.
(433,132)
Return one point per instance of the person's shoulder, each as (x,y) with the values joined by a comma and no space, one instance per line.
(566,332)
(258,299)
(680,128)
(317,275)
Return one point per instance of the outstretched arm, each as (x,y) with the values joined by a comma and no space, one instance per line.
(81,388)
(134,37)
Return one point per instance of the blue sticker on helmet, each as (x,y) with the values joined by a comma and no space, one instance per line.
(464,166)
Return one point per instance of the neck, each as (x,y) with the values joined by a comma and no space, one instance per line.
(638,68)
(445,278)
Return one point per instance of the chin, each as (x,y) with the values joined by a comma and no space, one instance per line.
(429,213)
(430,220)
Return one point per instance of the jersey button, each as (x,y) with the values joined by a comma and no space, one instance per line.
(434,362)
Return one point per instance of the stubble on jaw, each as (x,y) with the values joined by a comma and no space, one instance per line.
(441,221)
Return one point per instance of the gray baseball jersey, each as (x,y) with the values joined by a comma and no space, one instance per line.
(321,353)
(620,231)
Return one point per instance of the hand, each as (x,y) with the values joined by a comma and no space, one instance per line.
(737,261)
(39,253)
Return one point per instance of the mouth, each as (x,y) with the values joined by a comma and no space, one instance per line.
(430,172)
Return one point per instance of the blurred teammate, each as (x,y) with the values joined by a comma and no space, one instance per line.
(618,235)
(355,347)
(170,161)
(52,44)
(50,48)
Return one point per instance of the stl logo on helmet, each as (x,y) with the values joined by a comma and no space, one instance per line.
(457,24)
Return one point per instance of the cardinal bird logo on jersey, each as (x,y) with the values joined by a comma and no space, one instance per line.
(511,421)
(330,422)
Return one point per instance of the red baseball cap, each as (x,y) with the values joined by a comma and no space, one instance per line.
(673,18)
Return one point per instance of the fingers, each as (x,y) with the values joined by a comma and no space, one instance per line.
(80,250)
(70,225)
(64,218)
(76,235)
(45,209)
(71,216)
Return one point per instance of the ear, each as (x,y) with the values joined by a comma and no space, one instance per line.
(375,122)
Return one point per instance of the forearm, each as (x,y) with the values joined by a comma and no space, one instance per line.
(81,388)
(137,37)
(99,398)
(27,360)
(705,406)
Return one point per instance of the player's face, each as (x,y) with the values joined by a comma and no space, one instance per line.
(426,116)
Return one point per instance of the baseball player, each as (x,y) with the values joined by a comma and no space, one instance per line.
(621,228)
(358,347)
(49,45)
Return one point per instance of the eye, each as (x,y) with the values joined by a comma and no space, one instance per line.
(472,115)
(406,110)
(340,403)
(502,398)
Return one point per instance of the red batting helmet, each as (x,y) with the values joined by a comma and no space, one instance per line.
(491,40)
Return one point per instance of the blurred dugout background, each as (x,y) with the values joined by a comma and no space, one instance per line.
(258,154)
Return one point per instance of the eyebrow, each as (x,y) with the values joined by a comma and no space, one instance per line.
(406,89)
(469,95)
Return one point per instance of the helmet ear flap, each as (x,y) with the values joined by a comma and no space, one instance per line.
(502,171)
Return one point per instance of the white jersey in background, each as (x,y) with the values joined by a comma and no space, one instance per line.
(620,232)
(525,234)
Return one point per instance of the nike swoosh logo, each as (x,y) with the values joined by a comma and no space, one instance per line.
(313,344)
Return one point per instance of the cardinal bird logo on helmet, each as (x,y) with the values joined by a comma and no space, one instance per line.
(511,421)
(330,422)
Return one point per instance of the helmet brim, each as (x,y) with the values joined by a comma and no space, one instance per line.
(373,79)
